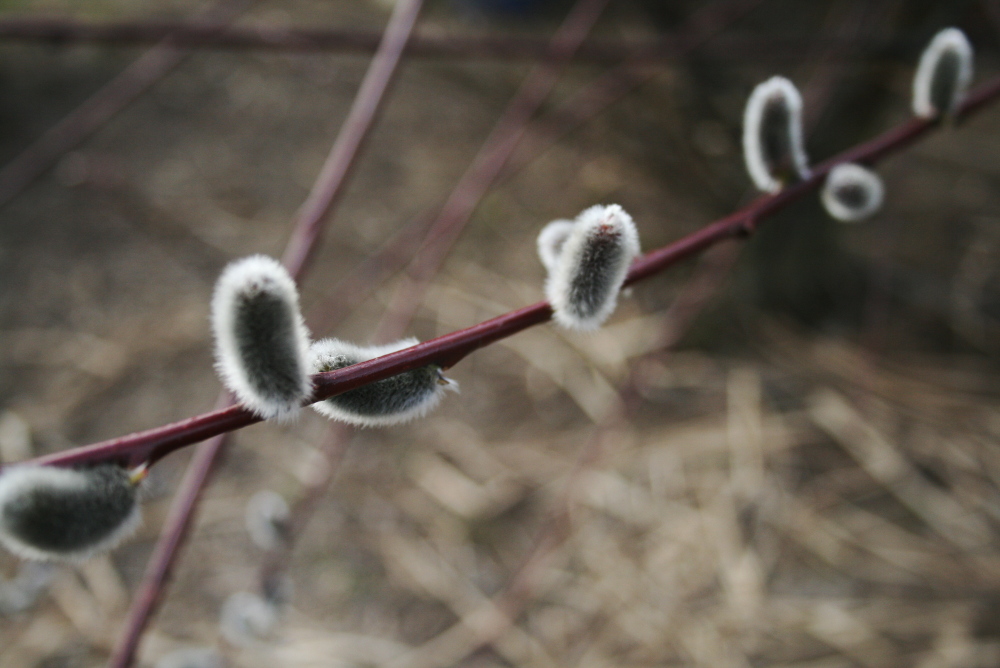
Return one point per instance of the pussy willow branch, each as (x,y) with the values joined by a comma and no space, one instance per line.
(556,527)
(322,199)
(493,162)
(481,174)
(448,350)
(204,34)
(458,208)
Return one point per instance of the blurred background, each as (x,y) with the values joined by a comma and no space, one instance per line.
(782,454)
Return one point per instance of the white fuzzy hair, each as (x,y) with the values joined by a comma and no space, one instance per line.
(254,275)
(762,173)
(948,40)
(422,398)
(850,175)
(551,240)
(570,273)
(18,482)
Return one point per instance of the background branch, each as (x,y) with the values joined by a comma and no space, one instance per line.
(451,348)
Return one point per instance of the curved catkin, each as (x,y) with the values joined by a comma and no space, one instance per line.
(583,286)
(943,74)
(261,341)
(772,135)
(852,193)
(267,515)
(54,513)
(551,240)
(385,402)
(246,618)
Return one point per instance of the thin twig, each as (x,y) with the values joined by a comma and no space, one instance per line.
(483,171)
(710,274)
(469,191)
(103,105)
(316,209)
(205,34)
(541,135)
(449,349)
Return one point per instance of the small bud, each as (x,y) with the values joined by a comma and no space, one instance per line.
(261,342)
(54,513)
(267,519)
(943,74)
(551,240)
(772,135)
(852,193)
(389,401)
(246,617)
(583,285)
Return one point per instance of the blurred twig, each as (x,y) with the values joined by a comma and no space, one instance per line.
(463,199)
(320,203)
(208,35)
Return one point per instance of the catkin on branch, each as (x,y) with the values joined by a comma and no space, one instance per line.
(49,513)
(261,341)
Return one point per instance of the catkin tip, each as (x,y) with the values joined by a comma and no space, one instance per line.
(591,266)
(943,74)
(49,513)
(394,400)
(772,135)
(852,193)
(551,240)
(261,341)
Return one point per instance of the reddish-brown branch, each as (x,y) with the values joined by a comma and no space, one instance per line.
(484,170)
(572,112)
(203,34)
(451,348)
(493,155)
(321,201)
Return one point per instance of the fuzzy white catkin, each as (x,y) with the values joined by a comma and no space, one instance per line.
(943,74)
(852,193)
(772,135)
(261,341)
(583,284)
(246,618)
(394,400)
(551,240)
(266,518)
(50,513)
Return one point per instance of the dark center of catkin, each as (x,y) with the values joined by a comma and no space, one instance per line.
(775,136)
(265,336)
(68,520)
(388,396)
(593,282)
(852,195)
(945,80)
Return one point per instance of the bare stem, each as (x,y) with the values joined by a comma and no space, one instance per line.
(484,170)
(308,224)
(451,348)
(213,35)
